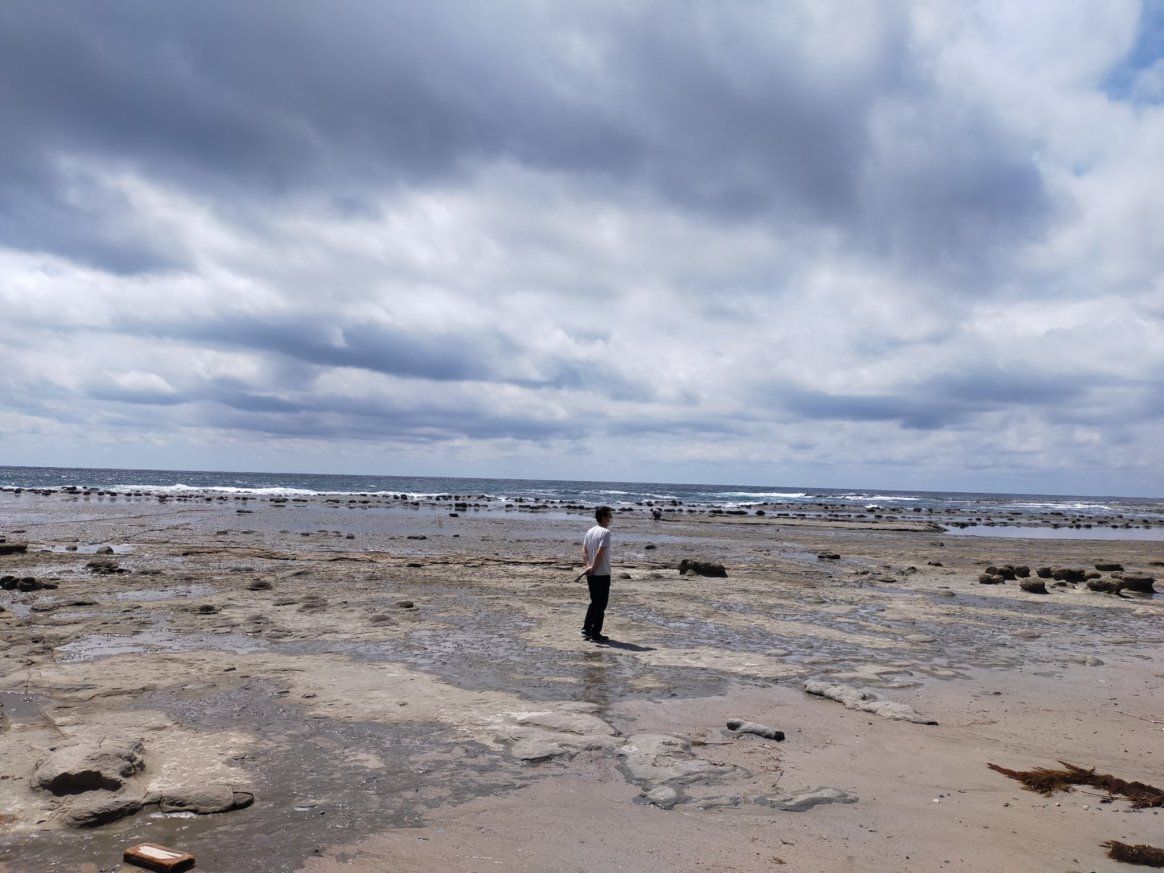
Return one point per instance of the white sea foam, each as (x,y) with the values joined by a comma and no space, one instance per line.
(180,488)
(882,497)
(1061,506)
(788,494)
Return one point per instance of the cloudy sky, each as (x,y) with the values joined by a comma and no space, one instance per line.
(884,244)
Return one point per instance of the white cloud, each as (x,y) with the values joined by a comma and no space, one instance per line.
(925,250)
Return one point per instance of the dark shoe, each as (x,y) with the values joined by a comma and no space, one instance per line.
(586,635)
(599,638)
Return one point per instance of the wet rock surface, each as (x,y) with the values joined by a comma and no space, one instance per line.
(340,711)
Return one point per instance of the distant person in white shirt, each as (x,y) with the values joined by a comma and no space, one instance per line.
(596,555)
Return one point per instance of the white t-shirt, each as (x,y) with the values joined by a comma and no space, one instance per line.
(597,537)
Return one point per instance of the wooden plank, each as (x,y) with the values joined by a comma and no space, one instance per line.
(155,857)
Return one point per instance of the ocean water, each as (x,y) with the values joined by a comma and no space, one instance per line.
(1017,506)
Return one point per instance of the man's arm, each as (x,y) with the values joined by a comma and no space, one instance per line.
(597,560)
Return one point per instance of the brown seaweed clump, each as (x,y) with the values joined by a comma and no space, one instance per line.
(1047,781)
(1147,856)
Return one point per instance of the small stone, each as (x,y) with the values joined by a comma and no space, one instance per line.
(405,604)
(663,796)
(740,726)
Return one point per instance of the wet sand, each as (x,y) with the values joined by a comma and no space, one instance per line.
(401,688)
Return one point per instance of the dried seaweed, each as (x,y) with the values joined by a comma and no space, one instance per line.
(1147,856)
(1046,781)
(1040,779)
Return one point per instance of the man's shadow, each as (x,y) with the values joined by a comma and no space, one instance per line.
(612,643)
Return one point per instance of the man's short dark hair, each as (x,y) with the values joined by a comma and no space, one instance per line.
(603,512)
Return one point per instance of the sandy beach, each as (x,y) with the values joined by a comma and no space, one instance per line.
(361,684)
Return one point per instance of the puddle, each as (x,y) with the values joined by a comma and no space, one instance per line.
(94,646)
(18,608)
(90,549)
(174,592)
(1060,533)
(317,783)
(22,708)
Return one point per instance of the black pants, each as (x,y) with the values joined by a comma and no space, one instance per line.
(599,595)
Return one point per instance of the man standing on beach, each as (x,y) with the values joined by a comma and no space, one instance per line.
(596,555)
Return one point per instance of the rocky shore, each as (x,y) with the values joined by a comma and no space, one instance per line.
(387,682)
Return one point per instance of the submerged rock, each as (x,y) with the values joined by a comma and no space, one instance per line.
(658,759)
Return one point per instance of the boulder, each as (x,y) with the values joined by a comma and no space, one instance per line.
(1138,582)
(1034,586)
(1107,586)
(990,579)
(13,548)
(101,807)
(1109,567)
(204,799)
(90,765)
(1044,572)
(701,568)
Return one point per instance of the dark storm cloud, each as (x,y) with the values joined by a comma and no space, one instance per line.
(716,110)
(406,424)
(909,412)
(322,340)
(938,401)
